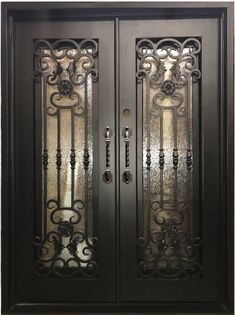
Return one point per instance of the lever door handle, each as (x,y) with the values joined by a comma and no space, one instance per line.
(107,176)
(126,176)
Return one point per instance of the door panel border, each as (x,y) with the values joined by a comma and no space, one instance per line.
(13,12)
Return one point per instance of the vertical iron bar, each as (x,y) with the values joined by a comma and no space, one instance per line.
(72,157)
(95,158)
(117,149)
(189,149)
(58,156)
(90,140)
(161,156)
(86,152)
(148,150)
(44,126)
(175,151)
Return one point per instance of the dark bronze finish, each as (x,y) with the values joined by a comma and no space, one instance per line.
(127,177)
(161,158)
(86,161)
(189,159)
(73,159)
(107,176)
(117,286)
(175,158)
(45,159)
(148,159)
(50,247)
(202,156)
(168,87)
(169,252)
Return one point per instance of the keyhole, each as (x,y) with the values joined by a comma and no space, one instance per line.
(126,113)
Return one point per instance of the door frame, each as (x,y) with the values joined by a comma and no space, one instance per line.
(13,12)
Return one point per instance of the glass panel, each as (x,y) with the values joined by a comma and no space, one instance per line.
(67,74)
(167,70)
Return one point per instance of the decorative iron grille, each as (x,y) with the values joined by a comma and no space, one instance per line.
(66,71)
(167,70)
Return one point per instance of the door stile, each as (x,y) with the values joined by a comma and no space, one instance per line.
(128,200)
(117,153)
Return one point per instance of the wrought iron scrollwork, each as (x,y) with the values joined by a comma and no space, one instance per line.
(64,76)
(170,252)
(66,71)
(167,69)
(185,66)
(81,249)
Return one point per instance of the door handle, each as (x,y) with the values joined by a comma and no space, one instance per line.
(126,176)
(107,176)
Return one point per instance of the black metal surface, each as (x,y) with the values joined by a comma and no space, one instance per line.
(26,282)
(50,261)
(107,176)
(180,308)
(207,205)
(127,176)
(16,125)
(170,247)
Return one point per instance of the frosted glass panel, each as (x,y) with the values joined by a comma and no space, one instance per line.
(167,70)
(67,73)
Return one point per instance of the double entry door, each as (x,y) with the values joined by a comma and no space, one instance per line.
(117,183)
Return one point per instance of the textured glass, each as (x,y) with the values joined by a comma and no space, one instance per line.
(167,69)
(66,69)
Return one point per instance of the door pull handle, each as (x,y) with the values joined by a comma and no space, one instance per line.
(126,176)
(107,176)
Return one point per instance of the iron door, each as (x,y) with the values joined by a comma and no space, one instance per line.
(64,162)
(170,208)
(117,148)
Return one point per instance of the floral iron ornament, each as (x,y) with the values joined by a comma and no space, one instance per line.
(63,69)
(65,64)
(80,249)
(167,69)
(168,87)
(65,87)
(171,252)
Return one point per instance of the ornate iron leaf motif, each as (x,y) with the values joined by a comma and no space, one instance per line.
(52,253)
(65,70)
(170,252)
(64,65)
(167,69)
